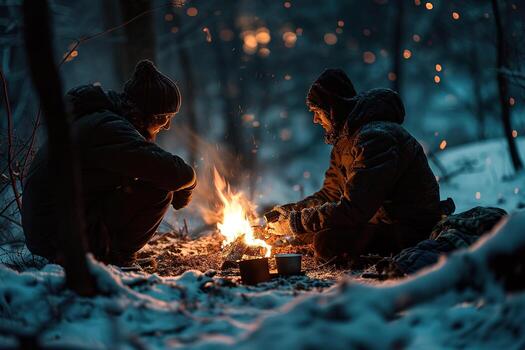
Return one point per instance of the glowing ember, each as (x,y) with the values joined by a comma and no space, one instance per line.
(234,221)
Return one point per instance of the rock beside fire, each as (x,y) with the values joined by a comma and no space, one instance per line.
(235,251)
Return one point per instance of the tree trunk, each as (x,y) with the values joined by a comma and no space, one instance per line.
(139,37)
(230,89)
(264,102)
(188,92)
(397,68)
(63,163)
(111,18)
(503,87)
(477,83)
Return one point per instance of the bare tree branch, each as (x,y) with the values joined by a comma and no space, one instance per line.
(516,78)
(12,175)
(11,220)
(32,140)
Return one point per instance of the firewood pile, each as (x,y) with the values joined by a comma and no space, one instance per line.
(172,255)
(238,248)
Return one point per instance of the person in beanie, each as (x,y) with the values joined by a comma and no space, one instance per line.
(379,194)
(128,181)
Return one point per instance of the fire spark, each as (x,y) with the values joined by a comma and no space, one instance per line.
(235,223)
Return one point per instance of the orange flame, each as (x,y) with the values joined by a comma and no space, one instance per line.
(234,221)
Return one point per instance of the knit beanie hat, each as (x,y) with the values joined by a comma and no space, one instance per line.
(332,86)
(151,91)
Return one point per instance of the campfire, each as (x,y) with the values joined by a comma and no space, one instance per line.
(236,224)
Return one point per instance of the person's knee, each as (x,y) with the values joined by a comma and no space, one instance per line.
(148,195)
(327,245)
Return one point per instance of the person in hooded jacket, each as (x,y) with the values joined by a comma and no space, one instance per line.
(379,194)
(128,182)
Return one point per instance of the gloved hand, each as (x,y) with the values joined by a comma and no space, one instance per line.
(287,224)
(182,198)
(285,207)
(281,227)
(274,214)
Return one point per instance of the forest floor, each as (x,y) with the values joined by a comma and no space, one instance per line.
(172,255)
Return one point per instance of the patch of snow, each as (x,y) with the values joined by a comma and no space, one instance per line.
(491,181)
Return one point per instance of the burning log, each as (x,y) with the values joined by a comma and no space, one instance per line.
(238,248)
(236,226)
(235,250)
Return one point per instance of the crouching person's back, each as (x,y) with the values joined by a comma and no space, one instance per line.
(128,182)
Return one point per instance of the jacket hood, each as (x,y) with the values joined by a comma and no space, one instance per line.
(375,105)
(88,99)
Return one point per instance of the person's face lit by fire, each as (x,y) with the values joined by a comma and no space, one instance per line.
(160,122)
(321,118)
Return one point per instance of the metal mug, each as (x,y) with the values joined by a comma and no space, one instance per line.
(288,264)
(254,271)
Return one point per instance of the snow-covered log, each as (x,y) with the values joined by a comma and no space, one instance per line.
(498,256)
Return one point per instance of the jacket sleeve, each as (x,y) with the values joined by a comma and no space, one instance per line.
(329,192)
(182,198)
(371,176)
(119,147)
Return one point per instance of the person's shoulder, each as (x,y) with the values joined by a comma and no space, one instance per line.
(105,124)
(107,119)
(84,89)
(385,130)
(101,117)
(382,126)
(379,131)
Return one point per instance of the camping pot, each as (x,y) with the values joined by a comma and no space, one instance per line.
(288,264)
(254,271)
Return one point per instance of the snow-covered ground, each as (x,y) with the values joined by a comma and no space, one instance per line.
(200,310)
(489,181)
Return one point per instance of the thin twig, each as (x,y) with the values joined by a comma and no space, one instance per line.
(437,162)
(7,206)
(186,230)
(30,147)
(11,220)
(323,264)
(12,175)
(512,74)
(112,29)
(18,152)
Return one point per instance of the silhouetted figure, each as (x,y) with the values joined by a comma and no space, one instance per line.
(128,181)
(379,194)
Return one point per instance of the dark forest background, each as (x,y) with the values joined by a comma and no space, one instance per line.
(244,68)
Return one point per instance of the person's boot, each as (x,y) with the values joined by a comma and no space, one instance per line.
(125,262)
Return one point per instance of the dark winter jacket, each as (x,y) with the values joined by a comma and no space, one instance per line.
(112,155)
(378,173)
